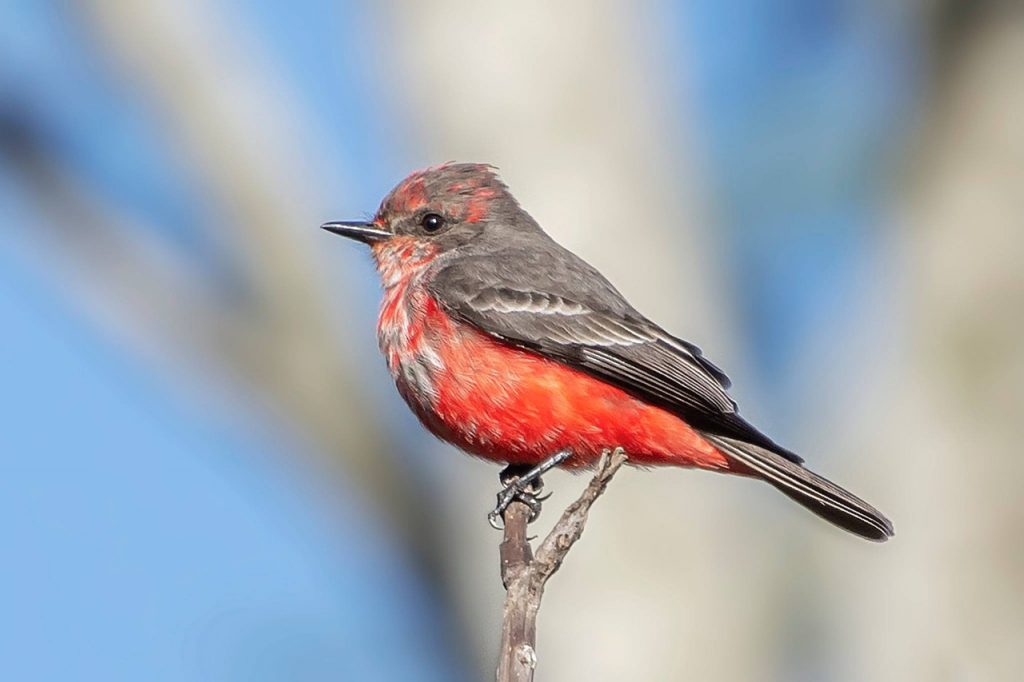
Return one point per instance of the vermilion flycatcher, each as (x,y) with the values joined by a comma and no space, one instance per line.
(512,348)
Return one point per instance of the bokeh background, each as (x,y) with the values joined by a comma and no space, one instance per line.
(205,473)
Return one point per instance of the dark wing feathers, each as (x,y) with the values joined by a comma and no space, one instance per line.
(585,323)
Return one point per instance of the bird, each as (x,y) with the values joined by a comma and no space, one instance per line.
(514,349)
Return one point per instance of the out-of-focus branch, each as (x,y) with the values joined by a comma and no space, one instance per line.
(526,575)
(278,336)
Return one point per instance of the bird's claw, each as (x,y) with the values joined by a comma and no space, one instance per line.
(516,492)
(523,486)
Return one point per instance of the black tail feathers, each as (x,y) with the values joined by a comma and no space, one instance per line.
(821,496)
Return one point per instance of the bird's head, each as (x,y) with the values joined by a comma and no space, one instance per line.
(440,208)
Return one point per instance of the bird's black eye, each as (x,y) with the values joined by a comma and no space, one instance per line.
(432,222)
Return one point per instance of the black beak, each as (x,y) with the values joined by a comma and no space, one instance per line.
(367,233)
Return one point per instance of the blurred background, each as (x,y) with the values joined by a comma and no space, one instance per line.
(206,474)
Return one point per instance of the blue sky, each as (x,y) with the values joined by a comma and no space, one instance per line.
(144,542)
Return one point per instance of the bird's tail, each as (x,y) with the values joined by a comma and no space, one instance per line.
(821,496)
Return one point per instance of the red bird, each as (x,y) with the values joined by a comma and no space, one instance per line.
(514,349)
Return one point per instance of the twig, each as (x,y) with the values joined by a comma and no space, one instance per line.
(525,576)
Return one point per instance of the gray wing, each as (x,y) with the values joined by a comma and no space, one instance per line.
(556,305)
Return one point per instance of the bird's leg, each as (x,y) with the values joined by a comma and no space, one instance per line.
(524,484)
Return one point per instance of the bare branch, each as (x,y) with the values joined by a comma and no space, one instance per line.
(525,576)
(569,528)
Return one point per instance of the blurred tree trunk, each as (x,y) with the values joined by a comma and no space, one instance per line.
(955,446)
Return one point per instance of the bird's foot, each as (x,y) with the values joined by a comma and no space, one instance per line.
(518,487)
(523,484)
